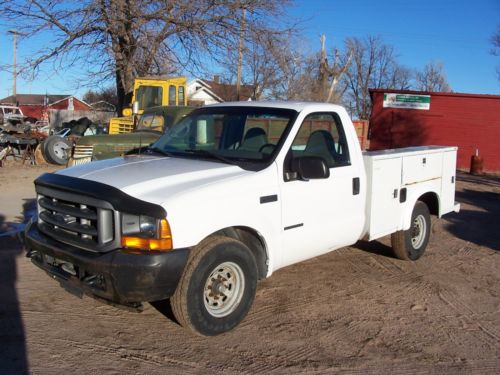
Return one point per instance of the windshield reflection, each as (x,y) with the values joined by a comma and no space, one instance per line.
(229,134)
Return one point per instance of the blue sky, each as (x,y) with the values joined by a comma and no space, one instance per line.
(456,33)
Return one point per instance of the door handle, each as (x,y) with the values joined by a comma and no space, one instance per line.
(355,186)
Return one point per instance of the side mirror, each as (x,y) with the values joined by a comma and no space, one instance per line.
(310,168)
(135,108)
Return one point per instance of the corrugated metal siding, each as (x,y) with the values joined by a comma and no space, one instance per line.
(468,121)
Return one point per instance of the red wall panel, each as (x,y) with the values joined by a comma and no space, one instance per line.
(465,120)
(34,111)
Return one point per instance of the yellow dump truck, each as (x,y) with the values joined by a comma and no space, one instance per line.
(150,92)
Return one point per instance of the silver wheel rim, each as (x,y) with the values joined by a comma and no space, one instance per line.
(60,150)
(224,289)
(418,231)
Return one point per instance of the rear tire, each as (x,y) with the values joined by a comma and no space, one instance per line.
(217,287)
(410,244)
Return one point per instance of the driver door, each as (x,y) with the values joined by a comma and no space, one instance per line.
(322,214)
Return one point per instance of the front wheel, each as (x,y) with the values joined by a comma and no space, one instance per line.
(410,244)
(217,287)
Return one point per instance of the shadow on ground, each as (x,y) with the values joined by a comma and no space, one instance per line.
(13,359)
(375,247)
(477,224)
(165,308)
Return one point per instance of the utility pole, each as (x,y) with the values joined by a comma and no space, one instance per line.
(240,52)
(14,65)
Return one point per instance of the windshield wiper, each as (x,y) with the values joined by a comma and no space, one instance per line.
(211,155)
(158,151)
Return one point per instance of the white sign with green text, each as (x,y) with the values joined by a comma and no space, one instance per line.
(407,101)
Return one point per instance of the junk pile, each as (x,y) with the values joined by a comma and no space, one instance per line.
(38,143)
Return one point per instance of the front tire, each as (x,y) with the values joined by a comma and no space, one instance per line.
(217,287)
(410,244)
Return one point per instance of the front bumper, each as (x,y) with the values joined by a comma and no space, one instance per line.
(120,276)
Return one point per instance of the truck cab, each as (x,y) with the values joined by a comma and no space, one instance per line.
(150,92)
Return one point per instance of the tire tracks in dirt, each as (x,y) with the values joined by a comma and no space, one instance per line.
(471,316)
(127,354)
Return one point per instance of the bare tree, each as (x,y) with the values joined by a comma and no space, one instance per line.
(432,78)
(262,67)
(495,51)
(107,94)
(296,75)
(373,65)
(306,76)
(259,50)
(260,61)
(122,39)
(495,40)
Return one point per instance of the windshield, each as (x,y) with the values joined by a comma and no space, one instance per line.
(236,135)
(151,122)
(149,96)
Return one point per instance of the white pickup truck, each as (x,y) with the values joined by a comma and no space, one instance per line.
(226,197)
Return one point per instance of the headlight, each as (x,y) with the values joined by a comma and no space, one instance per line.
(146,233)
(139,225)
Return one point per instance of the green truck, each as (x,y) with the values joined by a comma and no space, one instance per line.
(152,124)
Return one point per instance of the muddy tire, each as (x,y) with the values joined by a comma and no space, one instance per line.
(56,150)
(411,244)
(217,287)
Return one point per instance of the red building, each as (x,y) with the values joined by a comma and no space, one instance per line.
(415,118)
(37,106)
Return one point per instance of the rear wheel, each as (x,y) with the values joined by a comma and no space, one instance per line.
(410,244)
(217,287)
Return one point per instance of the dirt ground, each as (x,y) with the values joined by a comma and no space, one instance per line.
(356,310)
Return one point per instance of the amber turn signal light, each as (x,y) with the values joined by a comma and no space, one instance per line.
(164,243)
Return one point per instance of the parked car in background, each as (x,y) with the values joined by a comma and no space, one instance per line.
(152,124)
(12,120)
(9,113)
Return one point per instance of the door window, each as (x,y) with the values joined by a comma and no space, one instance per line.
(180,94)
(322,135)
(171,95)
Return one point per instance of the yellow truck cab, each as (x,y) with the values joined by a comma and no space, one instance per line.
(150,92)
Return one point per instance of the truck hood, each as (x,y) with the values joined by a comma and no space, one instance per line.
(155,179)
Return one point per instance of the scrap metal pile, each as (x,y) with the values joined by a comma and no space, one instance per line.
(36,142)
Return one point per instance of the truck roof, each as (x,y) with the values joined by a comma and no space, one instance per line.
(295,105)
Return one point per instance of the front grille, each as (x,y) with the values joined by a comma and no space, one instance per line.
(119,125)
(75,220)
(83,151)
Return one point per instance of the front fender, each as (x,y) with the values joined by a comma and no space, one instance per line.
(196,214)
